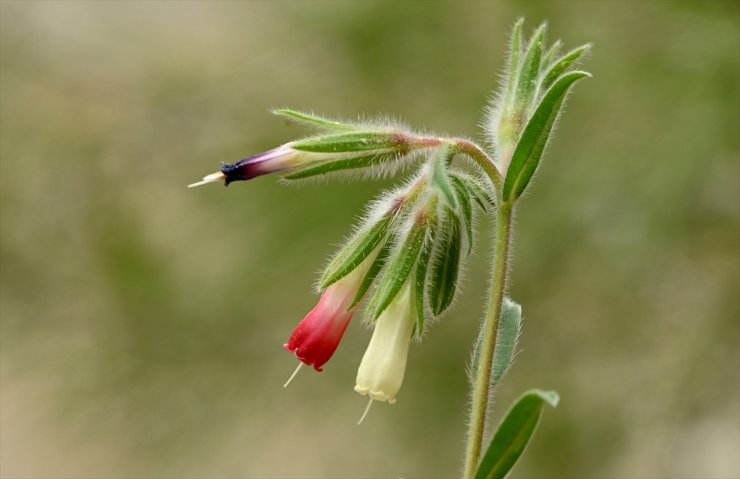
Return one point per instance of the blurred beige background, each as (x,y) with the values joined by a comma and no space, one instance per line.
(142,322)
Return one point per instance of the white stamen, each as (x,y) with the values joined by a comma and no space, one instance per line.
(367,408)
(212,178)
(293,375)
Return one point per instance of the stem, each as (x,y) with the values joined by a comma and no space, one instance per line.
(482,385)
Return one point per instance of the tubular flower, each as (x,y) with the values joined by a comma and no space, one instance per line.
(317,336)
(384,363)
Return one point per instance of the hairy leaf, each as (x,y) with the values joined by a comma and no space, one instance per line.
(397,270)
(562,64)
(514,433)
(312,120)
(331,166)
(445,264)
(532,143)
(463,198)
(348,142)
(355,251)
(530,69)
(440,178)
(509,327)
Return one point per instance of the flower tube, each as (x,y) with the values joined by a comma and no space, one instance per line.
(383,366)
(317,336)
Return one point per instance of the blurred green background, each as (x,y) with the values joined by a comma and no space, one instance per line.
(142,322)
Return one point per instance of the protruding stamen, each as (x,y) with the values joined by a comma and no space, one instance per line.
(212,178)
(367,408)
(293,375)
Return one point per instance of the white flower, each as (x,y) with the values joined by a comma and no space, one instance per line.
(384,363)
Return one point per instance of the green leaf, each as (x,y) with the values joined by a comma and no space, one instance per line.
(477,192)
(331,166)
(508,332)
(515,52)
(509,327)
(551,54)
(445,264)
(312,120)
(463,199)
(530,69)
(440,178)
(420,280)
(349,142)
(514,433)
(397,269)
(355,251)
(562,64)
(528,151)
(372,273)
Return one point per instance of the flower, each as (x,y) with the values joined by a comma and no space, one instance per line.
(317,336)
(281,158)
(382,368)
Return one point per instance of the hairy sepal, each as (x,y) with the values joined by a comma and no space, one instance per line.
(351,142)
(398,268)
(440,179)
(561,65)
(466,210)
(311,119)
(355,251)
(445,263)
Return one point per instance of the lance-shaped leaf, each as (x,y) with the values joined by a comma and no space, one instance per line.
(561,65)
(312,120)
(372,272)
(466,208)
(398,268)
(445,263)
(532,143)
(420,279)
(440,178)
(350,142)
(355,251)
(551,54)
(514,433)
(530,69)
(515,53)
(476,190)
(351,163)
(509,327)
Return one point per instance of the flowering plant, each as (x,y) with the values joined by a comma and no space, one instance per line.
(402,263)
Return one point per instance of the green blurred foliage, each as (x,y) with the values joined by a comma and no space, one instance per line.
(142,322)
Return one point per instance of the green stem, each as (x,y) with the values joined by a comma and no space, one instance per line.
(482,380)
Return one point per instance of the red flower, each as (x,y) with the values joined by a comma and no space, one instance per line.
(316,338)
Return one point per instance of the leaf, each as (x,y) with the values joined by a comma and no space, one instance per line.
(506,338)
(562,64)
(397,269)
(466,208)
(445,264)
(479,194)
(311,119)
(354,252)
(420,280)
(509,327)
(331,166)
(514,433)
(530,69)
(372,273)
(532,143)
(348,142)
(515,52)
(440,178)
(551,54)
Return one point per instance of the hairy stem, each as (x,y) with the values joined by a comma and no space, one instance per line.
(482,380)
